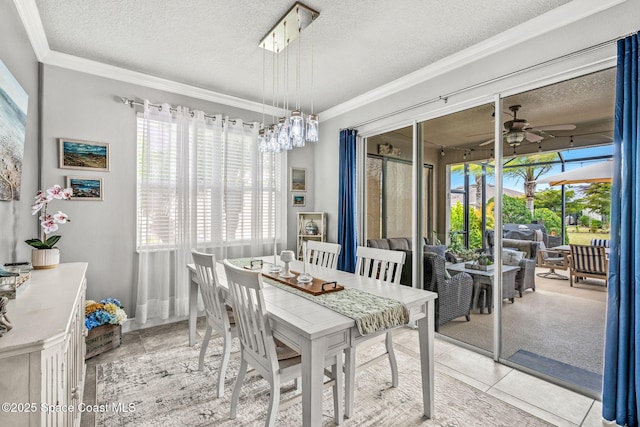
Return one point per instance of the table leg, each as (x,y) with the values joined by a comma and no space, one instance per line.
(193,308)
(349,380)
(313,355)
(425,334)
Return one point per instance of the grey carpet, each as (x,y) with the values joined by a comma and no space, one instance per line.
(166,389)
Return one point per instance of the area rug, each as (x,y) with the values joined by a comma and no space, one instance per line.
(560,370)
(165,388)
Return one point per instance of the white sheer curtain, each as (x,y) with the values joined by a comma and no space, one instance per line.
(201,184)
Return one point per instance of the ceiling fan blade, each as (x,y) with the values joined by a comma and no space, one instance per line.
(532,137)
(556,127)
(482,144)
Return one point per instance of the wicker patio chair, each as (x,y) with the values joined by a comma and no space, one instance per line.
(454,294)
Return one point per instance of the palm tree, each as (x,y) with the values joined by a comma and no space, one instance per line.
(475,169)
(529,168)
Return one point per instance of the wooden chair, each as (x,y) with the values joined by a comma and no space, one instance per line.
(386,266)
(589,261)
(258,348)
(553,260)
(323,254)
(219,315)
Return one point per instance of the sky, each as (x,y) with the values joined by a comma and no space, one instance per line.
(457,180)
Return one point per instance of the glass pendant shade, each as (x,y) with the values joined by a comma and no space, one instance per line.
(263,146)
(283,133)
(312,128)
(273,140)
(297,129)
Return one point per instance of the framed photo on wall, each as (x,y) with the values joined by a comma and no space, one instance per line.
(85,187)
(75,154)
(298,179)
(298,200)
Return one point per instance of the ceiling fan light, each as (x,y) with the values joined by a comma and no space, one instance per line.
(514,137)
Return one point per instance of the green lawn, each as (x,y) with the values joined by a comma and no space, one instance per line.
(584,236)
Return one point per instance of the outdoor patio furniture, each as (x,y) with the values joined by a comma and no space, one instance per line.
(600,242)
(588,261)
(454,294)
(553,259)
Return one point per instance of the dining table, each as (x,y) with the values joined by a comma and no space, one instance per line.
(317,331)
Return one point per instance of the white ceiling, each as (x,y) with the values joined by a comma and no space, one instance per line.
(358,45)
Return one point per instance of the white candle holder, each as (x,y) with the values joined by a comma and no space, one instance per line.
(286,257)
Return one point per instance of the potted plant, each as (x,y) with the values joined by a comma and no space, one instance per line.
(45,254)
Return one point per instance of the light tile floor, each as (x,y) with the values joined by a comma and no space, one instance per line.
(547,401)
(542,399)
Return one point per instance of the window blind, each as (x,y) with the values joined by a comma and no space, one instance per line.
(201,182)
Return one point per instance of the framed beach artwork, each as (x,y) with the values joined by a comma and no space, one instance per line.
(297,200)
(298,179)
(86,155)
(85,187)
(13,122)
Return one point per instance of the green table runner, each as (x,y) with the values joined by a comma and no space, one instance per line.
(371,313)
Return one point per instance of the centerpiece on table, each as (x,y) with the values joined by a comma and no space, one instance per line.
(104,321)
(482,263)
(45,254)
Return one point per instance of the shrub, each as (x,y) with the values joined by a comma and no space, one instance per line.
(584,220)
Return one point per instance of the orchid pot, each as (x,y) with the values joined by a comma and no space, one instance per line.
(45,254)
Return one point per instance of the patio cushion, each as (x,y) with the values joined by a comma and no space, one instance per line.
(510,257)
(436,249)
(600,242)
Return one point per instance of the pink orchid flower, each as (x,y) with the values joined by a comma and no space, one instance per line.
(49,226)
(61,218)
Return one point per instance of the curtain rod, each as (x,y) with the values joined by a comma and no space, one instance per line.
(445,98)
(131,103)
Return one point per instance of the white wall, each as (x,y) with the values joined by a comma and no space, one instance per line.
(16,222)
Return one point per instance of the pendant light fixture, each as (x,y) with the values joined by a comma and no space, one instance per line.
(290,130)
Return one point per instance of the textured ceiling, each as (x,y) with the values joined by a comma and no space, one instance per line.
(358,45)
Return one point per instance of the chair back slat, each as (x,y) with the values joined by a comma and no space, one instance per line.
(600,242)
(209,288)
(381,264)
(589,259)
(254,329)
(323,254)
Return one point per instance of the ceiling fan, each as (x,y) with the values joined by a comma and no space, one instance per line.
(518,130)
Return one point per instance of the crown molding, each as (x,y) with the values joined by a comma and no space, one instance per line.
(121,74)
(556,18)
(32,23)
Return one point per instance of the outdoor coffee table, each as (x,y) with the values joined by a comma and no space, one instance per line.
(483,283)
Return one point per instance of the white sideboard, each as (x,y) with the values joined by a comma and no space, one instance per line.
(42,365)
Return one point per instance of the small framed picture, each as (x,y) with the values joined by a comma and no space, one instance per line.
(298,179)
(297,200)
(86,155)
(85,187)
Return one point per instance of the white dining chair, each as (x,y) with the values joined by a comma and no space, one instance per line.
(276,364)
(219,315)
(323,254)
(386,266)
